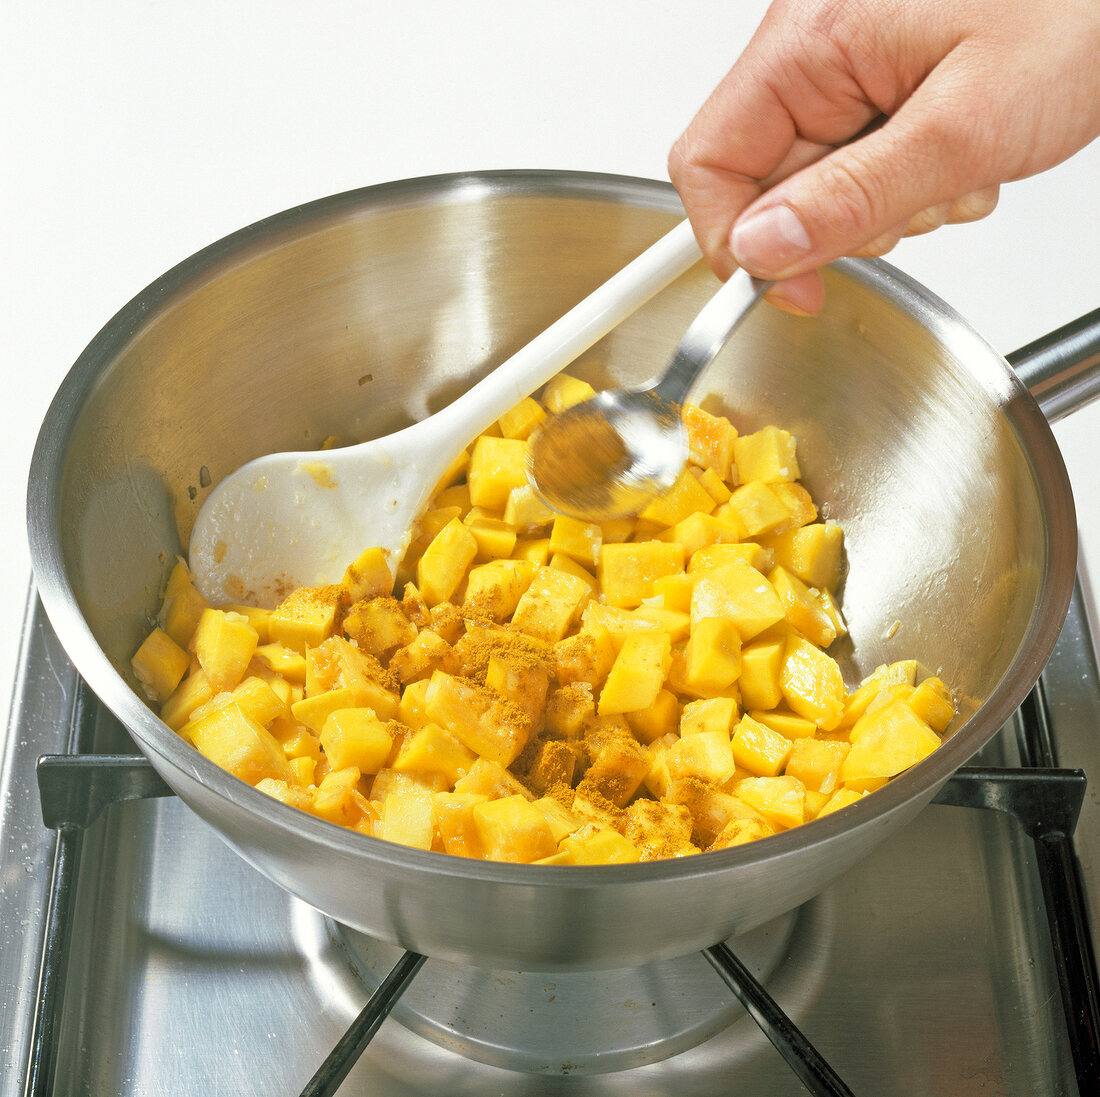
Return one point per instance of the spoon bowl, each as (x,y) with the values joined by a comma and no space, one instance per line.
(608,456)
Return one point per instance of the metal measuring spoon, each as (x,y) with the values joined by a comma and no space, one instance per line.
(608,456)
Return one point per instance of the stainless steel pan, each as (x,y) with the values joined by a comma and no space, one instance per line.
(362,312)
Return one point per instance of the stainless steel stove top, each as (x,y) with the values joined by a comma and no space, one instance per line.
(928,970)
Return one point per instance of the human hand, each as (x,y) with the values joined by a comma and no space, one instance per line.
(847,124)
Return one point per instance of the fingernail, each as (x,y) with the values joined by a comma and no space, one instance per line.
(769,242)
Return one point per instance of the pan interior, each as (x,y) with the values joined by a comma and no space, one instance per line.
(366,323)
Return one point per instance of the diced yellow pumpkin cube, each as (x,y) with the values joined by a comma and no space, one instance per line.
(284,661)
(497,465)
(801,508)
(378,625)
(258,618)
(259,701)
(710,439)
(761,668)
(617,770)
(563,391)
(708,714)
(239,745)
(550,604)
(338,663)
(659,719)
(757,508)
(781,800)
(785,723)
(890,741)
(677,623)
(356,737)
(182,606)
(697,531)
(491,780)
(812,684)
(706,755)
(561,820)
(292,793)
(832,610)
(521,682)
(422,655)
(453,816)
(296,739)
(389,780)
(366,576)
(407,818)
(637,675)
(759,749)
(513,829)
(816,763)
(741,594)
(457,496)
(434,749)
(739,831)
(804,608)
(193,692)
(223,643)
(534,551)
(159,665)
(896,691)
(315,710)
(658,830)
(335,797)
(554,767)
(579,540)
(717,488)
(443,565)
(594,845)
(586,656)
(685,497)
(305,618)
(673,592)
(904,670)
(431,522)
(768,454)
(711,808)
(522,420)
(411,709)
(303,769)
(740,552)
(933,703)
(627,572)
(496,539)
(477,716)
(570,566)
(524,511)
(713,654)
(495,588)
(812,552)
(839,799)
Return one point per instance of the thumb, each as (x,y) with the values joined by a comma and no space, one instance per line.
(927,155)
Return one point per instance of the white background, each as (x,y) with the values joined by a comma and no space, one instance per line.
(134,132)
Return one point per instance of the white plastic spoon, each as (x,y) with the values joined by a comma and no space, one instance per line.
(294,519)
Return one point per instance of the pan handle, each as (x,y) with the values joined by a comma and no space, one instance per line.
(1062,369)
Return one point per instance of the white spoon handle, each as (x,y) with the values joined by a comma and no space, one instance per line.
(567,338)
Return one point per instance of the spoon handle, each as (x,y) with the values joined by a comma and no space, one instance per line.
(708,333)
(567,338)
